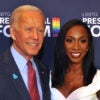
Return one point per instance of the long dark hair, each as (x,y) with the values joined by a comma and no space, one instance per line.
(61,60)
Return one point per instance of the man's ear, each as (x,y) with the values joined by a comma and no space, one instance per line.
(12,32)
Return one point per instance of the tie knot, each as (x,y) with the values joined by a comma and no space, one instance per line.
(29,63)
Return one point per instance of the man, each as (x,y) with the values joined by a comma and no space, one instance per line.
(27,33)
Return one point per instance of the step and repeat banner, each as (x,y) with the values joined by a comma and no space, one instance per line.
(57,12)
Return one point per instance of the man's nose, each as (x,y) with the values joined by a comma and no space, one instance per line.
(35,34)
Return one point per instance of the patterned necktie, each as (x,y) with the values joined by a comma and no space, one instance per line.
(32,83)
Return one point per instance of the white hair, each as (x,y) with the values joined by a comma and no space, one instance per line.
(15,14)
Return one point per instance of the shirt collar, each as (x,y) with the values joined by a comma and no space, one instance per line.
(19,59)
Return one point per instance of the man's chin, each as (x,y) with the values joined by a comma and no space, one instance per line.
(34,54)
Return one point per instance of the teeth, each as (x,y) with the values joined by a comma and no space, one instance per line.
(76,54)
(32,44)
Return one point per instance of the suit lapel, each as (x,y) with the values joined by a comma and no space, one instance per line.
(43,80)
(15,77)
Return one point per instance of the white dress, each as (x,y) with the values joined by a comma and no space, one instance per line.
(82,93)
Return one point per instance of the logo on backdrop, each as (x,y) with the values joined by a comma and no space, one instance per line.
(4,23)
(52,25)
(93,21)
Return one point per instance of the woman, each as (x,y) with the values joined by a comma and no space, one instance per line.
(73,67)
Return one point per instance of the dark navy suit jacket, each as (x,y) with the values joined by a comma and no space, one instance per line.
(12,86)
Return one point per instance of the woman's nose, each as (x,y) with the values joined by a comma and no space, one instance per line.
(76,45)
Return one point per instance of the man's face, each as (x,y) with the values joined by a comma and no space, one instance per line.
(29,35)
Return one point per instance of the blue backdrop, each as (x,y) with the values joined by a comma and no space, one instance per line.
(57,12)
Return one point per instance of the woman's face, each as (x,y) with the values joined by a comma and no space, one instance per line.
(76,43)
